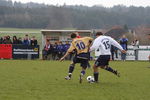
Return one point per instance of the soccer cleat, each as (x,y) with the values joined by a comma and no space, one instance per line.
(80,78)
(68,78)
(91,82)
(117,73)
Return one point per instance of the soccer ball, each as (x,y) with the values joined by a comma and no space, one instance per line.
(90,79)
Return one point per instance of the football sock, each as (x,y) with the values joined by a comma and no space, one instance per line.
(88,65)
(83,72)
(71,69)
(110,69)
(96,76)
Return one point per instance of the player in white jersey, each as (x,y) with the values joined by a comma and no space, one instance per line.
(103,43)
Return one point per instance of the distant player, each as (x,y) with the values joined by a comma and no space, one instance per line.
(81,45)
(103,43)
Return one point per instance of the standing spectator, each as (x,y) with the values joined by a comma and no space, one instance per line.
(66,47)
(54,51)
(7,40)
(124,43)
(34,41)
(26,40)
(1,40)
(20,40)
(60,48)
(46,50)
(116,52)
(4,39)
(112,52)
(15,40)
(135,45)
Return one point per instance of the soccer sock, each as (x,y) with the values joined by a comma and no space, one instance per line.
(71,69)
(110,69)
(82,72)
(96,76)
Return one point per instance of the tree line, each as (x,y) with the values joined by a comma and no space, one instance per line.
(34,15)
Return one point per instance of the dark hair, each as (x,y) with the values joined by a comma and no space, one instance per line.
(47,40)
(73,35)
(148,34)
(99,33)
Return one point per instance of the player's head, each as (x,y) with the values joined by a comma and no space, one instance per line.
(123,36)
(99,34)
(73,35)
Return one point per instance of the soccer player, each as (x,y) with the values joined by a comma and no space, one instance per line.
(103,43)
(81,45)
(78,36)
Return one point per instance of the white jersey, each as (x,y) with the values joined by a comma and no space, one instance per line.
(103,43)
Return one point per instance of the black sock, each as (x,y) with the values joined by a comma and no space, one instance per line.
(96,76)
(110,69)
(71,69)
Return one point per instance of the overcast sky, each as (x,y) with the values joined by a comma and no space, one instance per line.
(107,3)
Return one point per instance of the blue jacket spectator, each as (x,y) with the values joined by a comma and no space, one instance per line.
(124,43)
(60,47)
(66,47)
(26,40)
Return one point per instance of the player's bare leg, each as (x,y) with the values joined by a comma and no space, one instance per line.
(111,70)
(71,69)
(81,75)
(96,73)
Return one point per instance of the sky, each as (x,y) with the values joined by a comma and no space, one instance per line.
(106,3)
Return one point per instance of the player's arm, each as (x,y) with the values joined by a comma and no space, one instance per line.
(68,52)
(94,46)
(116,44)
(90,41)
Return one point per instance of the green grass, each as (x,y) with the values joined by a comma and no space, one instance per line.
(44,80)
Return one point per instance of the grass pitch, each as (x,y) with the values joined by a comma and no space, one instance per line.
(44,80)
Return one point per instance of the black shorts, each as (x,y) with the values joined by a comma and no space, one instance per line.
(82,59)
(103,60)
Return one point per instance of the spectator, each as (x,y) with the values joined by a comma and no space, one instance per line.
(112,52)
(26,40)
(60,48)
(47,49)
(54,51)
(4,39)
(123,42)
(15,40)
(135,45)
(7,40)
(116,52)
(1,40)
(66,47)
(34,41)
(20,40)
